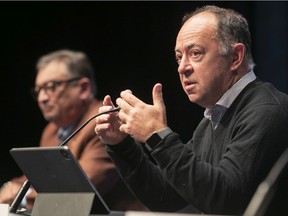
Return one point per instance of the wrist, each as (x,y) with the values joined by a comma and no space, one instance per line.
(156,138)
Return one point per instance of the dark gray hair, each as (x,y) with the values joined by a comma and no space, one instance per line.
(232,28)
(78,64)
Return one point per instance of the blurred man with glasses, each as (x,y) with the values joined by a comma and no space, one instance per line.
(65,90)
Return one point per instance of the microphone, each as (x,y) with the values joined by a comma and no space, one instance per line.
(26,185)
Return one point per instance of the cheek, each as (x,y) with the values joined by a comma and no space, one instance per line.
(209,82)
(206,83)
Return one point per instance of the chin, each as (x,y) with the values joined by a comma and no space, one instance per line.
(196,100)
(193,98)
(48,117)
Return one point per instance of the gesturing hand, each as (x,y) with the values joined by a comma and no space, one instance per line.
(139,119)
(107,125)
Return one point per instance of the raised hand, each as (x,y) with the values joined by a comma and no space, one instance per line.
(107,125)
(139,119)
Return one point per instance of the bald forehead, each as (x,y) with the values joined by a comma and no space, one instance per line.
(199,21)
(200,26)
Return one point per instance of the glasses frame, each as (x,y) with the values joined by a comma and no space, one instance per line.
(50,90)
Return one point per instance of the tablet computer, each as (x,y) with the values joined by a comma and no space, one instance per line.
(56,170)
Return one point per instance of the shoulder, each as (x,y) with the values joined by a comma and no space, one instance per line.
(259,93)
(49,135)
(93,106)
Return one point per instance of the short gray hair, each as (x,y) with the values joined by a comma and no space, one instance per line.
(78,64)
(232,28)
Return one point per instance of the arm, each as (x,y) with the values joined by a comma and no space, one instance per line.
(226,186)
(144,177)
(139,120)
(96,163)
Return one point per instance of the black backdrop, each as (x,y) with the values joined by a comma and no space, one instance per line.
(131,46)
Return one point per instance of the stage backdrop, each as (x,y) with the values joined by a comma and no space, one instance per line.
(131,45)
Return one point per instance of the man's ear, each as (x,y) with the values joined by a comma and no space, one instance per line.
(238,54)
(85,88)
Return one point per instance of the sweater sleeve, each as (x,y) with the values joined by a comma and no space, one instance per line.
(144,177)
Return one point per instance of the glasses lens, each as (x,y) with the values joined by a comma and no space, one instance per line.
(50,87)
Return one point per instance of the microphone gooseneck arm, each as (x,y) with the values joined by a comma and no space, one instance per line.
(85,123)
(26,185)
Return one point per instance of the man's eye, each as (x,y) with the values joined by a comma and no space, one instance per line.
(178,59)
(51,88)
(195,53)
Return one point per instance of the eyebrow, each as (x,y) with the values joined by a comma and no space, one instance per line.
(45,83)
(188,47)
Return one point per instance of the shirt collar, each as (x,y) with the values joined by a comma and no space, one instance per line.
(64,133)
(229,96)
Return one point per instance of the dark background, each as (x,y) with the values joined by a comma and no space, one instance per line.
(131,45)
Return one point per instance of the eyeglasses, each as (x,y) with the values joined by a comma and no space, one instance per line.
(50,87)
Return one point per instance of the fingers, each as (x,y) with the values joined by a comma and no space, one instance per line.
(102,121)
(8,192)
(107,104)
(107,101)
(107,124)
(127,100)
(135,118)
(157,95)
(158,101)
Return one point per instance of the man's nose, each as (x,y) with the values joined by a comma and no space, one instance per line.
(184,65)
(42,95)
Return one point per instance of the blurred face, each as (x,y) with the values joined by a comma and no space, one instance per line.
(205,75)
(58,94)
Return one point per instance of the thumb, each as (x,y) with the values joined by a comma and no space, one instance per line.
(158,96)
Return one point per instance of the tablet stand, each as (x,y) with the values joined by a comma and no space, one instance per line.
(63,204)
